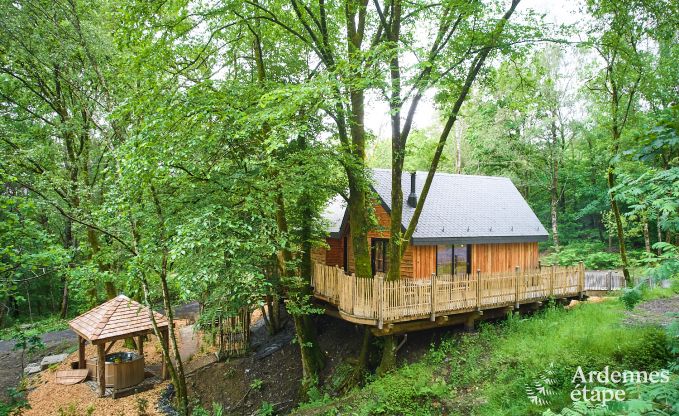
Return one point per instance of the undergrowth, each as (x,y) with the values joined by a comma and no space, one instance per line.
(37,327)
(491,371)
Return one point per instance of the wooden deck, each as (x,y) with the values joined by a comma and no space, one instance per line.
(377,302)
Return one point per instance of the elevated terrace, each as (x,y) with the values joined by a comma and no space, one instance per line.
(442,299)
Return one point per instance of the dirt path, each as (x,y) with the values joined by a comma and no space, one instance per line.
(10,361)
(188,343)
(661,312)
(48,338)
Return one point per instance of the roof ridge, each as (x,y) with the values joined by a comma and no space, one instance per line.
(439,173)
(99,328)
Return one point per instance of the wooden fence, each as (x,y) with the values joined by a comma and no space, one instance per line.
(375,300)
(604,280)
(234,334)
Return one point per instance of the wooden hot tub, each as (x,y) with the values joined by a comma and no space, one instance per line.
(123,369)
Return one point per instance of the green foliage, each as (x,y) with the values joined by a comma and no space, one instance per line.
(257,384)
(663,266)
(266,409)
(630,297)
(649,351)
(217,410)
(72,410)
(38,327)
(645,399)
(142,407)
(592,254)
(15,403)
(26,343)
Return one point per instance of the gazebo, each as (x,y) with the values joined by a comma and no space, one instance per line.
(116,319)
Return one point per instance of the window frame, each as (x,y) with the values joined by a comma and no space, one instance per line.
(385,255)
(453,263)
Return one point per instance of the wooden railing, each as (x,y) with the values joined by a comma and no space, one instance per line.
(377,300)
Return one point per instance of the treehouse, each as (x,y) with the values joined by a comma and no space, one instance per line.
(475,248)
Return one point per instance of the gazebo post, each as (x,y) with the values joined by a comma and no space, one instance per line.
(81,352)
(140,345)
(165,339)
(101,368)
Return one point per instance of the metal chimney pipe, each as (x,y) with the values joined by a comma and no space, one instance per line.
(412,198)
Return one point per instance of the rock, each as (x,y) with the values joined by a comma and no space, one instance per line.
(573,304)
(32,368)
(51,360)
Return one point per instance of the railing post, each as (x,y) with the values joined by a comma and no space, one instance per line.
(379,283)
(478,289)
(433,297)
(581,278)
(552,274)
(517,271)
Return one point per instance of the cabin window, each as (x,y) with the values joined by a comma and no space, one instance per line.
(380,255)
(452,259)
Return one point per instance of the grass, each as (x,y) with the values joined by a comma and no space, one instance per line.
(487,372)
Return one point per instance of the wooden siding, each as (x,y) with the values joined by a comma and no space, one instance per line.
(423,261)
(335,255)
(420,261)
(498,258)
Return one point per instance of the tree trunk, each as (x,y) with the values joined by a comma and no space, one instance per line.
(312,356)
(305,332)
(647,235)
(93,240)
(69,244)
(659,234)
(180,379)
(618,227)
(176,370)
(64,299)
(359,227)
(554,188)
(459,131)
(388,362)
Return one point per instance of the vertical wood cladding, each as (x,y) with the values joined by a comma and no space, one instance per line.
(491,258)
(334,256)
(423,261)
(420,261)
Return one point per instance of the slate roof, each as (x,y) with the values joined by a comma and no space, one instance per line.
(334,215)
(464,209)
(114,319)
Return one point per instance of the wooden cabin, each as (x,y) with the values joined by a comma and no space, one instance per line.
(468,224)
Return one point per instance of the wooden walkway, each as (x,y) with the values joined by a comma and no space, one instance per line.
(376,302)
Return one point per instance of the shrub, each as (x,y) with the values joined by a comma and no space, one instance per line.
(592,254)
(648,350)
(602,260)
(630,298)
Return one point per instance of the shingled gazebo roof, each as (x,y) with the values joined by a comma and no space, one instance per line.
(120,317)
